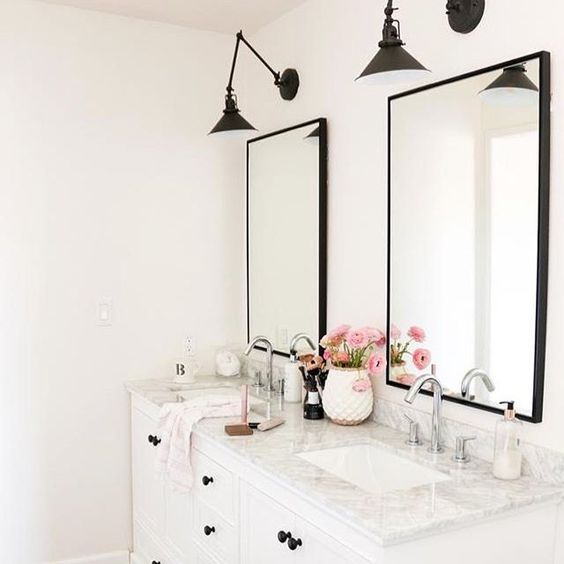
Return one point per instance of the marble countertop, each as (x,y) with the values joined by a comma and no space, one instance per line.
(470,496)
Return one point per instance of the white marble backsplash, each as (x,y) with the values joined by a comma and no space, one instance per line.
(541,463)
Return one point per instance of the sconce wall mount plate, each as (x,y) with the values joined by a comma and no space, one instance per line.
(464,16)
(289,84)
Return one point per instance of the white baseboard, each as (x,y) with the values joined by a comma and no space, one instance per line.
(119,557)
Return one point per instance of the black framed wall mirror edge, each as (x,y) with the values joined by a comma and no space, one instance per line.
(542,228)
(313,132)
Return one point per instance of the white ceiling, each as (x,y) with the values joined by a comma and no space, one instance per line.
(227,16)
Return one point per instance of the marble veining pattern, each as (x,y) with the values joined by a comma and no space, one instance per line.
(471,494)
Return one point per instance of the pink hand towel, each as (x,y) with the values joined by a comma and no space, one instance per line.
(176,421)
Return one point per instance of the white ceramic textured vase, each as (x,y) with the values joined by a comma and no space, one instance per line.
(341,402)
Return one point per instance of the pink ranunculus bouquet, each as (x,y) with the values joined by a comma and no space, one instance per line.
(399,349)
(346,347)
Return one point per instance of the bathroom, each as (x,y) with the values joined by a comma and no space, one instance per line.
(125,241)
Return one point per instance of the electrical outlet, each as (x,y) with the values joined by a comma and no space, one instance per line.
(190,345)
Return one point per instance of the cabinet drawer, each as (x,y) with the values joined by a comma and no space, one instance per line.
(214,485)
(215,534)
(147,548)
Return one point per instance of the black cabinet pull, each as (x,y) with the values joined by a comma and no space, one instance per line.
(155,562)
(154,440)
(208,530)
(206,480)
(294,543)
(283,537)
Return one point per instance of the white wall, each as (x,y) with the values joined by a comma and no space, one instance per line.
(330,42)
(109,187)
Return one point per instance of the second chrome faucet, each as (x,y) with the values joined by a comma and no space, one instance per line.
(437,389)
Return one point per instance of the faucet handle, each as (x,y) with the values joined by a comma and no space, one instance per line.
(414,439)
(460,455)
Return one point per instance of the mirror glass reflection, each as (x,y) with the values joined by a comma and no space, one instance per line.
(464,213)
(286,234)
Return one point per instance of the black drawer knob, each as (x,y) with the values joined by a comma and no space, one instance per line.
(208,530)
(155,562)
(153,440)
(207,480)
(294,543)
(283,537)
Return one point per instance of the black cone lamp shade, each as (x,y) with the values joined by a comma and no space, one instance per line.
(392,63)
(232,122)
(512,88)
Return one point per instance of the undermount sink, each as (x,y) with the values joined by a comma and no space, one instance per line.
(373,469)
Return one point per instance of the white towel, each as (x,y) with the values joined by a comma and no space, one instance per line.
(176,421)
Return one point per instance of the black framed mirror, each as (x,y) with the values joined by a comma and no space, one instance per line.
(287,234)
(468,221)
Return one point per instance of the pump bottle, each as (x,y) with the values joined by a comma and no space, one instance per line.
(508,458)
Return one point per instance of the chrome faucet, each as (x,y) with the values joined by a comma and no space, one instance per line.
(469,378)
(268,345)
(294,343)
(437,389)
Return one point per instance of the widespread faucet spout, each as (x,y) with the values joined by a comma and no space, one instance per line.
(437,390)
(268,346)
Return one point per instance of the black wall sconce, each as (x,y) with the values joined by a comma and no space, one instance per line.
(232,121)
(392,63)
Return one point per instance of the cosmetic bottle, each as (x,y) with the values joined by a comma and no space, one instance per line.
(293,381)
(508,458)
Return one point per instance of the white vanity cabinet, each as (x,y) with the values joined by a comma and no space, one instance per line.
(238,513)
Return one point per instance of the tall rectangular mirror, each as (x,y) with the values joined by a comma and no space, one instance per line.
(287,234)
(468,245)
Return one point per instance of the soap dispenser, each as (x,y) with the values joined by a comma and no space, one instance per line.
(508,458)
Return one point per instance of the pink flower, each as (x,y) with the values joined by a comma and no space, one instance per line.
(357,338)
(395,333)
(342,357)
(376,336)
(417,334)
(335,337)
(327,354)
(421,358)
(362,385)
(339,332)
(376,363)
